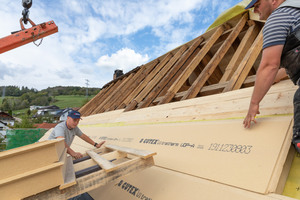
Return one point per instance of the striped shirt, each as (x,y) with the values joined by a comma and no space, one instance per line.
(279,25)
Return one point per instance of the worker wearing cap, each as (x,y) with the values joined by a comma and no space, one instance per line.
(68,129)
(281,47)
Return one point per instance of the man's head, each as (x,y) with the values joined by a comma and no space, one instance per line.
(73,119)
(264,7)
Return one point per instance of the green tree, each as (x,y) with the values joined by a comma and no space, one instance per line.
(25,123)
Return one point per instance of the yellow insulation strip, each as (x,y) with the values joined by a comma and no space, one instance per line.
(292,186)
(230,13)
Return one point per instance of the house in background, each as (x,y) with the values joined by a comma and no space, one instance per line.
(5,122)
(42,111)
(65,112)
(51,110)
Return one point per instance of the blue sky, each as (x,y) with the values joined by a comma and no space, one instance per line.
(96,37)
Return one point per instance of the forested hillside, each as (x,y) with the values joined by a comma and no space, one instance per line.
(16,98)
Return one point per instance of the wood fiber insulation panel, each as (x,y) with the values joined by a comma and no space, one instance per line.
(222,150)
(31,182)
(22,159)
(161,184)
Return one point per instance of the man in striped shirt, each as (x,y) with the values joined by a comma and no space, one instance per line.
(281,44)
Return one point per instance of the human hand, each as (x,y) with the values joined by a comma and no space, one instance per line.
(77,155)
(100,144)
(252,112)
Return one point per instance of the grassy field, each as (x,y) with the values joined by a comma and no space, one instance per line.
(70,101)
(62,101)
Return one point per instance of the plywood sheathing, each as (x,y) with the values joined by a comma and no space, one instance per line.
(221,60)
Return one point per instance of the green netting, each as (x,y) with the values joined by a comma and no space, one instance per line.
(21,137)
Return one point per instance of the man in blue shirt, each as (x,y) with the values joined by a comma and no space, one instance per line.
(68,129)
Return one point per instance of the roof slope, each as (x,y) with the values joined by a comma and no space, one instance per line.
(221,60)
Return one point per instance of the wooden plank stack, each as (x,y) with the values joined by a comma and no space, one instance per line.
(30,169)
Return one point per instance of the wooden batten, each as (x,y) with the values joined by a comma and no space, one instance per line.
(140,86)
(210,68)
(132,84)
(89,107)
(245,66)
(144,91)
(107,102)
(187,72)
(160,76)
(166,79)
(239,54)
(107,96)
(118,93)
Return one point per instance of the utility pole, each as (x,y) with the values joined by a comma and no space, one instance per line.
(3,93)
(87,88)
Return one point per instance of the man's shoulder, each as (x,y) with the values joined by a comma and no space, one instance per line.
(61,125)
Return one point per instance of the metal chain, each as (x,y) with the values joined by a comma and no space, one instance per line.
(37,37)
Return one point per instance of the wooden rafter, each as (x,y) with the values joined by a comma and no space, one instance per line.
(187,72)
(209,69)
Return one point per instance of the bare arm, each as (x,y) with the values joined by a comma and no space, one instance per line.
(265,77)
(90,141)
(70,151)
(280,75)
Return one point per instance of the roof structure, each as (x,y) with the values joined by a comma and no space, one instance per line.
(188,106)
(5,116)
(194,98)
(223,59)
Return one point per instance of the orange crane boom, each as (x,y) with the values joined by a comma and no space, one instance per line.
(25,36)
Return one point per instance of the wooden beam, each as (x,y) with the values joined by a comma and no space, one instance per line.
(138,87)
(137,152)
(195,62)
(68,174)
(90,107)
(143,93)
(245,66)
(109,101)
(102,162)
(210,68)
(94,180)
(105,97)
(160,80)
(241,51)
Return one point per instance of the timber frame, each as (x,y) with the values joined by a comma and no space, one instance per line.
(223,59)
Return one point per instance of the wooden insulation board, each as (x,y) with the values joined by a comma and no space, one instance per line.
(32,182)
(33,168)
(234,104)
(115,163)
(19,160)
(161,184)
(221,151)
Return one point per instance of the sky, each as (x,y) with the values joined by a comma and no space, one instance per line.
(96,37)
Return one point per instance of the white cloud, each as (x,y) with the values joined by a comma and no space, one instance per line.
(125,59)
(93,35)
